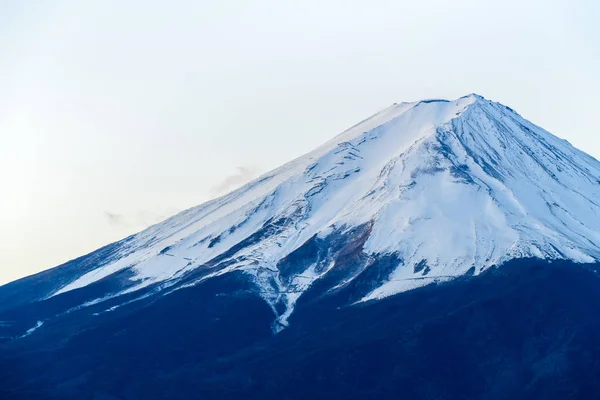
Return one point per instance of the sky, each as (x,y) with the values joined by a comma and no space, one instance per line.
(117,114)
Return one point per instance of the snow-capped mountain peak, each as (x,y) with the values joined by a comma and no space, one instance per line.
(418,193)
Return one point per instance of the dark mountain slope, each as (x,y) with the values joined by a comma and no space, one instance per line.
(526,330)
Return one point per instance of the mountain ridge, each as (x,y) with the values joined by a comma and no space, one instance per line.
(442,187)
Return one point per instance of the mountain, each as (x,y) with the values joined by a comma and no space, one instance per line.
(438,249)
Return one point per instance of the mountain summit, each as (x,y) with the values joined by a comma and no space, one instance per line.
(418,194)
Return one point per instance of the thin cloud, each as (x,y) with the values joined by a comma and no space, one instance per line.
(116,219)
(243,175)
(139,220)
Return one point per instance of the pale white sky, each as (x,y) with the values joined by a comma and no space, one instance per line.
(115,114)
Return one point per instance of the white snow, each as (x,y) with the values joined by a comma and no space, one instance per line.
(32,329)
(456,184)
